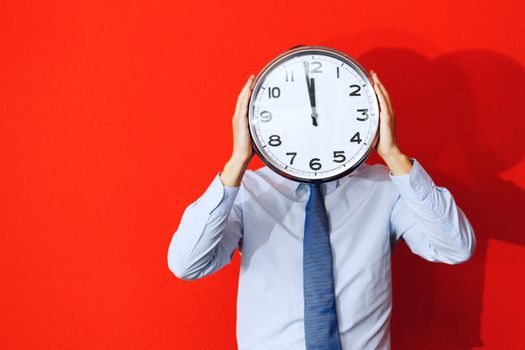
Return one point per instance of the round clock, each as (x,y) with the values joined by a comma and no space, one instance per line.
(313,114)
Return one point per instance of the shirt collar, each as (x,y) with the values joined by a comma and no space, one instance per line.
(329,186)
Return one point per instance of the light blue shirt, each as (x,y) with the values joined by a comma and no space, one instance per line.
(368,211)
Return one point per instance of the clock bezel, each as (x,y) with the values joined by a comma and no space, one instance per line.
(303,51)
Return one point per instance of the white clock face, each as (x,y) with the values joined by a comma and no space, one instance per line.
(313,115)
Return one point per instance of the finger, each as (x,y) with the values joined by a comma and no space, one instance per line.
(246,97)
(387,99)
(387,96)
(242,95)
(384,91)
(382,102)
(240,98)
(380,83)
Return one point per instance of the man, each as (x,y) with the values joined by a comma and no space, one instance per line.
(263,214)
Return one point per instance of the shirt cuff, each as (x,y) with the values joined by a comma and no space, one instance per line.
(217,192)
(416,185)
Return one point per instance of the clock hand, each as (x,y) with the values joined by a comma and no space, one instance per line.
(310,84)
(311,92)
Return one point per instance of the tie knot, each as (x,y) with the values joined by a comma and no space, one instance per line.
(315,188)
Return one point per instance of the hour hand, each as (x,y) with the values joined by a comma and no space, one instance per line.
(311,92)
(310,84)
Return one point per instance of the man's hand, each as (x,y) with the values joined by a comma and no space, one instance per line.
(387,147)
(242,146)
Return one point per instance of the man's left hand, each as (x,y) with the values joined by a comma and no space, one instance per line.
(387,147)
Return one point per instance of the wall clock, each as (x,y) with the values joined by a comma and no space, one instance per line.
(313,114)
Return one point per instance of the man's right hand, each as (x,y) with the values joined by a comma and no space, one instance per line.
(242,146)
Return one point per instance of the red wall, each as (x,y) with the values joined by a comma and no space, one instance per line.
(115,115)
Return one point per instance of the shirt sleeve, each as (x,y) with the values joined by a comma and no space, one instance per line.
(428,219)
(208,234)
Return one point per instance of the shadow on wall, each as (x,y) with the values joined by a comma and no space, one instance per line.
(459,115)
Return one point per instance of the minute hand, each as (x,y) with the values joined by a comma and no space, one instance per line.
(310,83)
(311,93)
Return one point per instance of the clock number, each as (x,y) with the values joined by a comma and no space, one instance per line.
(293,154)
(337,72)
(266,116)
(316,69)
(315,164)
(339,156)
(275,140)
(364,112)
(356,138)
(274,92)
(289,75)
(356,91)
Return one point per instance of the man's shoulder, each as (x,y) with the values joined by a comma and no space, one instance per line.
(262,172)
(371,172)
(374,172)
(261,178)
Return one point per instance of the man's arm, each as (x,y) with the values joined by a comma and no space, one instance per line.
(428,219)
(424,215)
(208,234)
(211,227)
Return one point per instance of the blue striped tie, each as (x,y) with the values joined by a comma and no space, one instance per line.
(320,318)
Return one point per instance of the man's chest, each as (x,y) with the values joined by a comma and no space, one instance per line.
(359,220)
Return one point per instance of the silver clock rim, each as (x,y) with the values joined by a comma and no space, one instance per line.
(256,85)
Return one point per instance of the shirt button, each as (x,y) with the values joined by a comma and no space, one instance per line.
(419,187)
